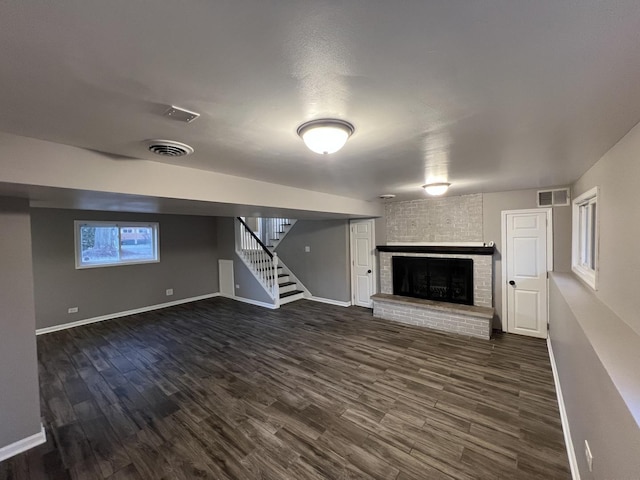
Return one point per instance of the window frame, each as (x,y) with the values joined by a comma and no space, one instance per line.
(78,224)
(586,239)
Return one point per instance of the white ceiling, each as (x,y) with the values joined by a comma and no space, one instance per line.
(489,95)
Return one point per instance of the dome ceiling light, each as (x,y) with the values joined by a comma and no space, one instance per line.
(436,189)
(326,135)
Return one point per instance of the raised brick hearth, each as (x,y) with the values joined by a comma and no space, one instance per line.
(449,317)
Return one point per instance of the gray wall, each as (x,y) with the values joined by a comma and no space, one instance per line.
(617,174)
(325,270)
(19,394)
(247,285)
(595,409)
(594,381)
(188,264)
(492,206)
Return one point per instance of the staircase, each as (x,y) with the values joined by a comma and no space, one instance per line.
(266,266)
(273,230)
(288,290)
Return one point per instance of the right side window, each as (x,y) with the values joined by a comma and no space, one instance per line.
(585,237)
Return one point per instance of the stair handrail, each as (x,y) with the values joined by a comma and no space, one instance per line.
(255,237)
(263,262)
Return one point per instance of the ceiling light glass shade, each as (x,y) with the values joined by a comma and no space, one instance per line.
(325,136)
(436,189)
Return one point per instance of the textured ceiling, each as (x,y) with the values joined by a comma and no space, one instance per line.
(489,95)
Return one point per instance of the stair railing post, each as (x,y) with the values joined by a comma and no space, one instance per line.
(276,285)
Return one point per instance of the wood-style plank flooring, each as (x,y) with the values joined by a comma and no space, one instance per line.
(224,390)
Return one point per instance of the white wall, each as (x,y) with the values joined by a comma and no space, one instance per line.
(27,161)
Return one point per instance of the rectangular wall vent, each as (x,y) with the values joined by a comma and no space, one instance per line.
(553,198)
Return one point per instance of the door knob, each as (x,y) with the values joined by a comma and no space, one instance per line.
(511,282)
(368,271)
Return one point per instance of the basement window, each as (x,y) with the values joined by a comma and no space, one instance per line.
(585,237)
(103,244)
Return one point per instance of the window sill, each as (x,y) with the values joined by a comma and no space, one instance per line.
(588,277)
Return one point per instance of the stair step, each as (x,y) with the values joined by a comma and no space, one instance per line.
(287,287)
(290,294)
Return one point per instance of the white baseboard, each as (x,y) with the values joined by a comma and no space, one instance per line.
(111,316)
(571,452)
(23,445)
(329,301)
(251,302)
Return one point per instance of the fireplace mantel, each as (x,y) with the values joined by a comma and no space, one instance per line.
(443,249)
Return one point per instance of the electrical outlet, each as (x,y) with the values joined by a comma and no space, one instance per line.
(73,310)
(307,249)
(587,453)
(169,292)
(237,286)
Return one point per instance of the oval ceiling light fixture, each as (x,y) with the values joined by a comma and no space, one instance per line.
(386,196)
(326,135)
(436,189)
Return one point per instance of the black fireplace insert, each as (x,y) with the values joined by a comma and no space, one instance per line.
(440,279)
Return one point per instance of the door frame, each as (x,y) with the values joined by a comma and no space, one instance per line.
(374,260)
(503,258)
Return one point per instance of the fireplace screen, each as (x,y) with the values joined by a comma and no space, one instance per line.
(440,279)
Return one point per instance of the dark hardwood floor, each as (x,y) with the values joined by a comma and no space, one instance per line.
(220,389)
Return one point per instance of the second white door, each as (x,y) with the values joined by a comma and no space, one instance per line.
(362,262)
(526,255)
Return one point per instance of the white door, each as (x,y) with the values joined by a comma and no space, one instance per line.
(362,262)
(225,278)
(526,256)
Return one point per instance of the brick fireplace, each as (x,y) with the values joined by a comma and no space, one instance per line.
(442,227)
(473,320)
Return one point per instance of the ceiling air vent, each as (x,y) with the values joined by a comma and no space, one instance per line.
(553,198)
(169,148)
